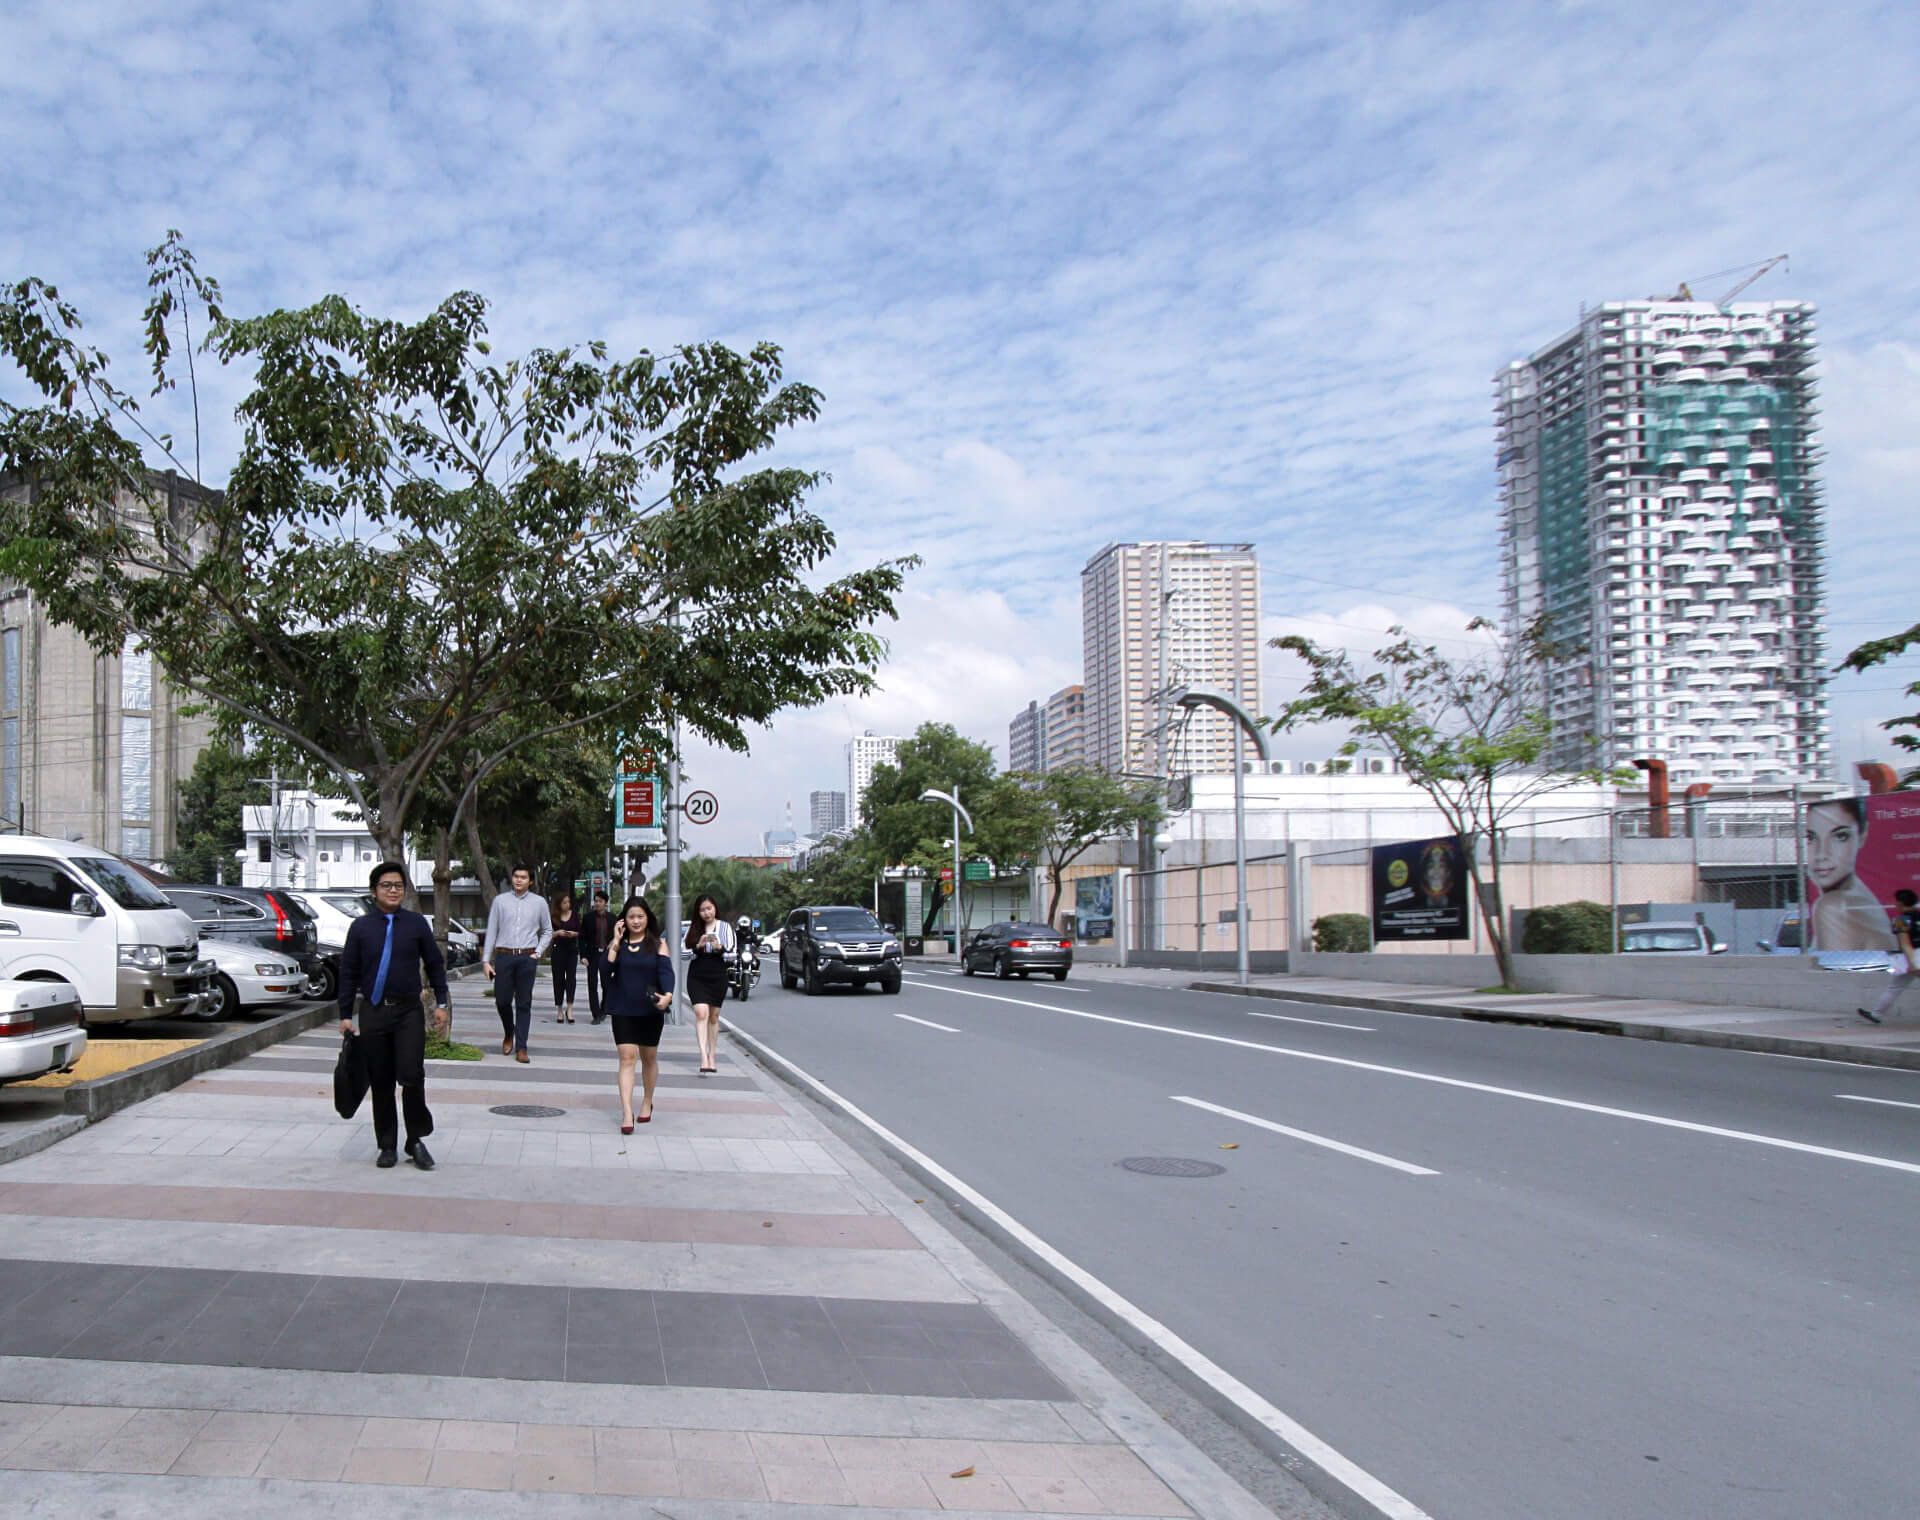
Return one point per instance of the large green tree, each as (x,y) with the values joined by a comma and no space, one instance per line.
(1878,652)
(416,541)
(1468,732)
(208,827)
(1079,806)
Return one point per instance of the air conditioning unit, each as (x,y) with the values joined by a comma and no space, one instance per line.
(1310,768)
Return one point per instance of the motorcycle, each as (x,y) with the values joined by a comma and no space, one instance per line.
(744,970)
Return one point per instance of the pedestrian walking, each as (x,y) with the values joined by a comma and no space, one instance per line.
(710,938)
(565,957)
(519,930)
(596,933)
(380,974)
(1906,963)
(639,993)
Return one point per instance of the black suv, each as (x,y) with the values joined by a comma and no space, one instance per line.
(262,916)
(819,946)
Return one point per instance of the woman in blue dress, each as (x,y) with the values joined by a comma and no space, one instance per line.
(639,992)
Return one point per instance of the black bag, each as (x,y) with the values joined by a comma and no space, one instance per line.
(350,1079)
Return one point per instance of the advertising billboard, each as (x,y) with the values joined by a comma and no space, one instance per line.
(1859,851)
(1093,906)
(1420,890)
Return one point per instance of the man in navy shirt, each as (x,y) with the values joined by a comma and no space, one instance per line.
(380,981)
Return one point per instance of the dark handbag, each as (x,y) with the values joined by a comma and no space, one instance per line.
(350,1079)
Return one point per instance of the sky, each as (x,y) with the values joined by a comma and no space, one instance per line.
(1064,274)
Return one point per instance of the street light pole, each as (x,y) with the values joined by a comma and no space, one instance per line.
(1203,696)
(952,799)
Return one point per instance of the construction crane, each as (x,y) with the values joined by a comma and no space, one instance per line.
(1685,290)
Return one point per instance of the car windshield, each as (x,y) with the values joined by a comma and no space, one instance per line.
(122,883)
(353,907)
(845,921)
(1662,939)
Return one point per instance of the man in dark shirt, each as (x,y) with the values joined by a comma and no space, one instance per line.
(596,933)
(380,981)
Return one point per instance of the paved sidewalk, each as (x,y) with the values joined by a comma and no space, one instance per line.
(213,1304)
(1780,1031)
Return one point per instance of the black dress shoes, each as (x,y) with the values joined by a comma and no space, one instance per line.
(387,1157)
(422,1157)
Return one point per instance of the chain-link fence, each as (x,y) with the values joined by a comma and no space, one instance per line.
(1185,915)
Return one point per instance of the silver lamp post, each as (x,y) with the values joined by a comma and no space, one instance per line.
(952,799)
(1205,696)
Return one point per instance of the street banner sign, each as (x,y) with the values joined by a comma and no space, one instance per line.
(636,811)
(977,870)
(1420,890)
(637,804)
(702,807)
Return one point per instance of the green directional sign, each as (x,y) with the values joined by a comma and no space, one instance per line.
(976,870)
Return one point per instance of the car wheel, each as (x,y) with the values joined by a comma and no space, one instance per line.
(225,1001)
(966,965)
(1060,975)
(788,980)
(814,985)
(1001,967)
(890,984)
(323,983)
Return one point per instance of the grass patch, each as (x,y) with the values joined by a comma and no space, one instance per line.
(1506,991)
(440,1048)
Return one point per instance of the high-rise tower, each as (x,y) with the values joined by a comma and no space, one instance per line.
(1660,510)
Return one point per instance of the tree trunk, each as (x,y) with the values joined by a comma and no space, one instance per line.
(442,885)
(481,870)
(1493,911)
(1053,902)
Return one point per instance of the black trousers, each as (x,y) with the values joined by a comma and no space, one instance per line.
(513,997)
(394,1036)
(597,982)
(564,964)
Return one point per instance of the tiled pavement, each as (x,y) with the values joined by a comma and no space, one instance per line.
(213,1304)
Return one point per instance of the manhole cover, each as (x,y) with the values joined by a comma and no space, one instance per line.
(1172,1166)
(533,1111)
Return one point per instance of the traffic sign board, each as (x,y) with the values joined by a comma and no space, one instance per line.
(946,873)
(977,870)
(702,807)
(637,804)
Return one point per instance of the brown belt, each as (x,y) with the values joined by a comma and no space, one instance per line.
(513,950)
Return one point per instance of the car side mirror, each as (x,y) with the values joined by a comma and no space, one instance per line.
(890,928)
(1719,948)
(84,905)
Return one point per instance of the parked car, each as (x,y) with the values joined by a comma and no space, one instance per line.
(820,946)
(1669,939)
(265,918)
(72,913)
(333,914)
(1016,949)
(1786,941)
(247,978)
(39,1029)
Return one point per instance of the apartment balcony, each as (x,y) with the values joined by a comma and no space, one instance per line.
(1764,524)
(1701,683)
(1700,578)
(1719,594)
(1759,559)
(1743,647)
(1695,476)
(1698,611)
(1696,375)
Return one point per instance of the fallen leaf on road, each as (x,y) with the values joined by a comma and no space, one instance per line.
(965,1472)
(1233,1147)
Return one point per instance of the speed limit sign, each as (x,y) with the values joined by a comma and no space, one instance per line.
(702,807)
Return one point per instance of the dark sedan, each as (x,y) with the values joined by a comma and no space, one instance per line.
(1014,949)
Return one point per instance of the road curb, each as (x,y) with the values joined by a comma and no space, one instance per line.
(1723,1039)
(38,1135)
(90,1102)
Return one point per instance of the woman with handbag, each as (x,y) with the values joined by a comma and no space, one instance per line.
(564,957)
(639,993)
(710,939)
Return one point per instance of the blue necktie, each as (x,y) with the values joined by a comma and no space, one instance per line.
(386,959)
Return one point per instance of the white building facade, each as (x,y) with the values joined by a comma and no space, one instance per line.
(1660,508)
(318,844)
(864,752)
(1155,616)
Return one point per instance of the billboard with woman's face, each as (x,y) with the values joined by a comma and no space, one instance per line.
(1860,850)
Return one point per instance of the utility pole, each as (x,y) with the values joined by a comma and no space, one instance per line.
(313,837)
(952,799)
(1201,696)
(273,831)
(670,817)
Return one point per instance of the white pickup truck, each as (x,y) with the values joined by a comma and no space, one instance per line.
(72,913)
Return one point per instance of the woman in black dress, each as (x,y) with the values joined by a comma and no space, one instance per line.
(565,956)
(639,992)
(710,938)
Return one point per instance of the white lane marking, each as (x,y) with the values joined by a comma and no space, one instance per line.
(1323,1023)
(1575,1104)
(1391,1505)
(1312,1139)
(943,1028)
(1889,1102)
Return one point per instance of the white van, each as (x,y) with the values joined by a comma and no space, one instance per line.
(73,913)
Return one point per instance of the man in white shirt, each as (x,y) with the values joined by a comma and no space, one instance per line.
(519,929)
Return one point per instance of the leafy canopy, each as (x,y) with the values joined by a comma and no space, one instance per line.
(1877,652)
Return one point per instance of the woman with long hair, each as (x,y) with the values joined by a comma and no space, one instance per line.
(710,939)
(564,955)
(639,993)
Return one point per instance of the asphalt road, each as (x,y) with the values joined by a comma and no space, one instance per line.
(1554,1275)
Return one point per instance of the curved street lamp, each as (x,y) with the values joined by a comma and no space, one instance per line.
(1206,696)
(952,799)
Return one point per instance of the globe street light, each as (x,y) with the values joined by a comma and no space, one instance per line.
(952,799)
(1204,696)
